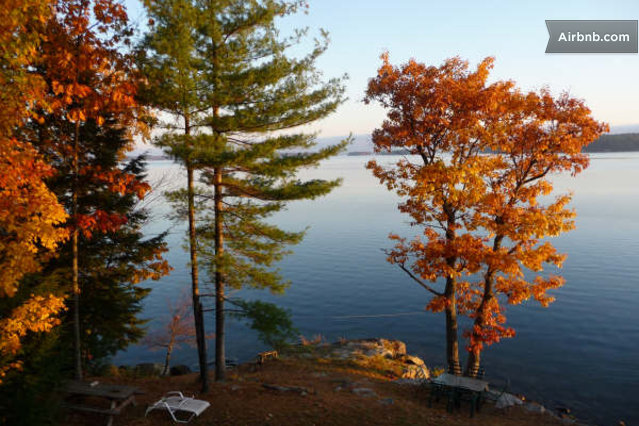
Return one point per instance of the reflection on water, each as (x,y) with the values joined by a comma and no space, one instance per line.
(581,352)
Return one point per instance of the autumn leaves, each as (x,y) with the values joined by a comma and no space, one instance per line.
(69,90)
(480,189)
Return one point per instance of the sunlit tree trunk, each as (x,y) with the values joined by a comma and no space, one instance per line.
(220,359)
(452,345)
(195,287)
(450,292)
(474,356)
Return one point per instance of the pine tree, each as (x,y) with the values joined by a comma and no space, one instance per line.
(113,260)
(168,59)
(251,97)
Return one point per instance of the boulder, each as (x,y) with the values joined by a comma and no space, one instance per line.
(410,359)
(507,400)
(180,370)
(368,348)
(534,407)
(412,371)
(396,346)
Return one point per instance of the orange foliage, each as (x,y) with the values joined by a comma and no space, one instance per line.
(35,315)
(29,212)
(89,78)
(485,155)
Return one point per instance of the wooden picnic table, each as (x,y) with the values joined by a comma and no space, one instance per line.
(459,385)
(118,397)
(468,383)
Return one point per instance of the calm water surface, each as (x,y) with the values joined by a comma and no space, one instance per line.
(582,352)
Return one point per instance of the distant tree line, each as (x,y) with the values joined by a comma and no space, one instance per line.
(624,142)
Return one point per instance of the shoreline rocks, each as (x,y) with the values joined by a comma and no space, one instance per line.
(412,366)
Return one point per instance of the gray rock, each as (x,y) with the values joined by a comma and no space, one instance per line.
(365,392)
(180,370)
(534,407)
(294,389)
(507,400)
(386,401)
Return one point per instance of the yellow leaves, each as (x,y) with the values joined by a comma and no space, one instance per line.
(29,214)
(37,315)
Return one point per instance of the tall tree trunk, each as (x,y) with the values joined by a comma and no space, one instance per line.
(74,263)
(167,358)
(220,359)
(452,345)
(474,357)
(450,292)
(198,315)
(473,363)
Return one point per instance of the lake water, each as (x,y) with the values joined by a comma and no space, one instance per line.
(582,352)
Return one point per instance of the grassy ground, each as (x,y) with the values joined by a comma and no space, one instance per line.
(243,400)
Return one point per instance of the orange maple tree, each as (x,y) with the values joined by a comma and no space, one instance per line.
(29,211)
(89,82)
(537,136)
(483,153)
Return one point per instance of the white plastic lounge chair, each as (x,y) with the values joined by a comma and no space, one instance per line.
(175,401)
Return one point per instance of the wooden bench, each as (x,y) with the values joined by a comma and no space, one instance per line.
(117,396)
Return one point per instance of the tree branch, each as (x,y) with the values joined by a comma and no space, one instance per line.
(420,282)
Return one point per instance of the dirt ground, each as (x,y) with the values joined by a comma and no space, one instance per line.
(330,400)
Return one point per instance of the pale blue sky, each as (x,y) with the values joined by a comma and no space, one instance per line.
(430,31)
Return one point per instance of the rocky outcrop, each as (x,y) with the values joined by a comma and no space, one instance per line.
(350,349)
(412,367)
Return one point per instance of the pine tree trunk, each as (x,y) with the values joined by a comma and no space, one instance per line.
(198,315)
(220,359)
(74,263)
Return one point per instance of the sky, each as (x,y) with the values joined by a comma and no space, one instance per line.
(512,31)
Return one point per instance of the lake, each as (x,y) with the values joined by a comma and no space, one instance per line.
(582,352)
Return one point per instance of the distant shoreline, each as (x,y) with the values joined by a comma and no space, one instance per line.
(606,144)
